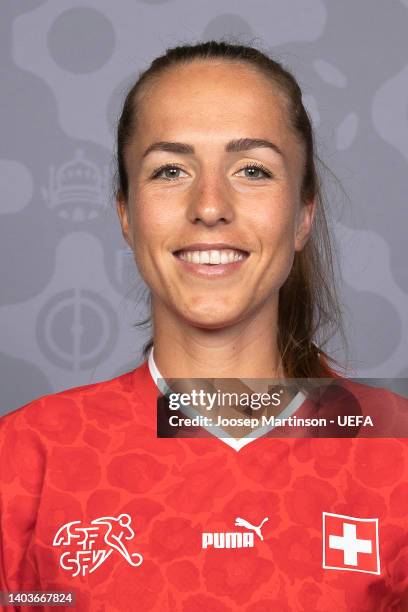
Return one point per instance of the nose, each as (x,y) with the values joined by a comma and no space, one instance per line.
(211,201)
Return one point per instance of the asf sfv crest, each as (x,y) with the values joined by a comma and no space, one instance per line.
(86,548)
(234,539)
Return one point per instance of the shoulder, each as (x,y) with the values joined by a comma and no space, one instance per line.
(365,392)
(62,428)
(59,415)
(360,388)
(352,400)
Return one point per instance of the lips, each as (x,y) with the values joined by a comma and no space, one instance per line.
(211,254)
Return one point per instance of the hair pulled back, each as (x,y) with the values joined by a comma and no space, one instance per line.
(309,310)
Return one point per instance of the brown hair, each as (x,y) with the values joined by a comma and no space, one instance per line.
(309,310)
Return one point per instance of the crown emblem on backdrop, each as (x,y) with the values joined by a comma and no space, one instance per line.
(77,189)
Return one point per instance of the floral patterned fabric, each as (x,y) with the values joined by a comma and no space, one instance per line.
(92,452)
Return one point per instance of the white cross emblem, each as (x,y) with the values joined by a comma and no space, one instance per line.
(350,544)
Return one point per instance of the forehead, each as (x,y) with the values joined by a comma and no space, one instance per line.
(214,97)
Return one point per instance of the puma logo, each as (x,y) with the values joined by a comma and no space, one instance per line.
(237,539)
(240,522)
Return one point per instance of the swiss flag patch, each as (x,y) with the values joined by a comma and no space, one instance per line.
(350,543)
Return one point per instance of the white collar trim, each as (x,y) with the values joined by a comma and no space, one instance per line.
(290,409)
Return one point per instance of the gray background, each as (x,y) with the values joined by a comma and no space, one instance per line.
(70,291)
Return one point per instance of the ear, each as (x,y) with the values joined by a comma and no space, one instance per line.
(304,223)
(123,214)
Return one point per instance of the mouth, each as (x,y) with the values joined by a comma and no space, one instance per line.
(211,256)
(209,261)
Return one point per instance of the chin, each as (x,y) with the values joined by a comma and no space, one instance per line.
(208,319)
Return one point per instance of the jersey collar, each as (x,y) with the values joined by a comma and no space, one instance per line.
(160,383)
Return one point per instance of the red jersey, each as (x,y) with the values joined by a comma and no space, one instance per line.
(92,501)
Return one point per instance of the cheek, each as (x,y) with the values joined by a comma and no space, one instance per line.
(142,234)
(146,224)
(153,227)
(275,229)
(154,217)
(274,224)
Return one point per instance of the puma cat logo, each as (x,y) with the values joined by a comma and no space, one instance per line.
(237,539)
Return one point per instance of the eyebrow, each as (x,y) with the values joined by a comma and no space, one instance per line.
(233,146)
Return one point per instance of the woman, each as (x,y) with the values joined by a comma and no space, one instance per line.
(219,199)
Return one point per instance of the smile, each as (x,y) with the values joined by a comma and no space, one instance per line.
(211,257)
(211,263)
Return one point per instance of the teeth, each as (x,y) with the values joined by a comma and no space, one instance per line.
(213,257)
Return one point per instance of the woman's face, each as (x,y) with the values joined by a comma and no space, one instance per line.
(214,215)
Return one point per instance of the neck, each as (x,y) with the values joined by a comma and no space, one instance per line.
(247,349)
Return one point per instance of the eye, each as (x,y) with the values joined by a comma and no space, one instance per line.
(167,172)
(253,171)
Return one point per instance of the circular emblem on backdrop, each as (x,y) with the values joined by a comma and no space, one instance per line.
(76,329)
(81,40)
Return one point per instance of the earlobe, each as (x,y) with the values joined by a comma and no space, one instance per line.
(123,214)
